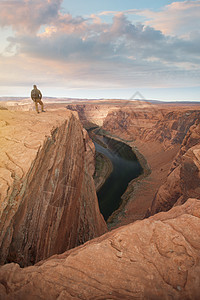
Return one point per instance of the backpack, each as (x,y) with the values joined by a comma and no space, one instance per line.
(35,94)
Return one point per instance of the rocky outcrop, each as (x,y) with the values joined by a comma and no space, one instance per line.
(191,139)
(183,180)
(93,113)
(156,258)
(153,123)
(48,197)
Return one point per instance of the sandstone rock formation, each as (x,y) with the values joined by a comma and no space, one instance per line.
(142,120)
(183,180)
(48,198)
(157,132)
(191,139)
(93,113)
(153,123)
(157,258)
(167,127)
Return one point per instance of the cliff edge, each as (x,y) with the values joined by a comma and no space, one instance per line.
(48,198)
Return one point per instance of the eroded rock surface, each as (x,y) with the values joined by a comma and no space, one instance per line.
(48,198)
(158,132)
(156,258)
(92,113)
(153,123)
(183,180)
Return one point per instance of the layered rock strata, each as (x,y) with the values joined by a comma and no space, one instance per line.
(142,120)
(93,113)
(183,180)
(156,131)
(48,197)
(153,123)
(156,258)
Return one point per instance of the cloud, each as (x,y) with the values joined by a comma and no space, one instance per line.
(84,40)
(71,51)
(115,12)
(106,48)
(178,18)
(108,12)
(28,15)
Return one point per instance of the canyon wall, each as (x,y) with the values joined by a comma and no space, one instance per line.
(156,258)
(183,180)
(48,198)
(158,131)
(168,127)
(154,123)
(132,120)
(93,113)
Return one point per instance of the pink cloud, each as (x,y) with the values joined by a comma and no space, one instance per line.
(75,51)
(28,15)
(178,18)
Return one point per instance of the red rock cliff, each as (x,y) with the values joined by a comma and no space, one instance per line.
(157,131)
(140,120)
(91,113)
(156,258)
(151,123)
(183,180)
(50,206)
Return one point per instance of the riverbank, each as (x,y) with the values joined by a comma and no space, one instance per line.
(120,213)
(113,155)
(141,191)
(103,165)
(136,200)
(103,169)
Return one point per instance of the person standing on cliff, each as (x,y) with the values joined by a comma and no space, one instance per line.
(36,96)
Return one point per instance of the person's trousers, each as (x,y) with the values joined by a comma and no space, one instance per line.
(36,104)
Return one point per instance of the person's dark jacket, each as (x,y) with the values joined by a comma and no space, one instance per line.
(36,94)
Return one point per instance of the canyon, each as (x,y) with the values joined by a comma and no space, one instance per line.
(156,133)
(50,217)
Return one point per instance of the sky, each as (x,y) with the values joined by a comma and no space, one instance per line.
(100,49)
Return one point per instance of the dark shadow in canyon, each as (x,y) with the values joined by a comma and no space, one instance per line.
(126,167)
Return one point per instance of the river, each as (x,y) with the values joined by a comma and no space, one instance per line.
(126,167)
